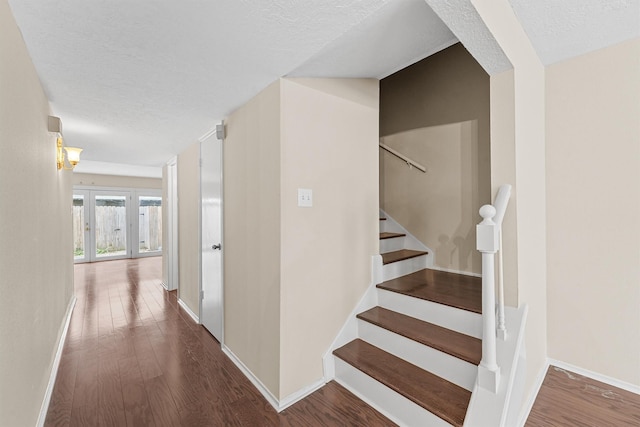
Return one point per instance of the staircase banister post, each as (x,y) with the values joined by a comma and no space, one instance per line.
(487,234)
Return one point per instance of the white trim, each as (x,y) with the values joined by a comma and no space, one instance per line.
(517,374)
(300,394)
(208,134)
(594,376)
(56,364)
(349,330)
(273,401)
(188,310)
(532,397)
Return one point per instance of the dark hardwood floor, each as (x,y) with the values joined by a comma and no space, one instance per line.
(133,357)
(569,399)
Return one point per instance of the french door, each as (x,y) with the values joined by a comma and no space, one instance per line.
(107,222)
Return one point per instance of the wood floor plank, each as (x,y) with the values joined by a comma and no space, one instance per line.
(136,404)
(110,400)
(455,290)
(569,399)
(163,407)
(333,405)
(151,364)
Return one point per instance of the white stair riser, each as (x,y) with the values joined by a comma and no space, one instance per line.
(391,404)
(452,318)
(444,365)
(404,267)
(392,244)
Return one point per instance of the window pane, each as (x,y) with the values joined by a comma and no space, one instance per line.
(78,226)
(111,226)
(150,228)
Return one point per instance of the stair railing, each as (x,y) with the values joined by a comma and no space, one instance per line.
(489,242)
(408,161)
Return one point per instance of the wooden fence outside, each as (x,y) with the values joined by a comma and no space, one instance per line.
(111,229)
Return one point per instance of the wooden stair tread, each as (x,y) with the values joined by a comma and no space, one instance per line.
(437,395)
(454,343)
(387,235)
(455,290)
(400,255)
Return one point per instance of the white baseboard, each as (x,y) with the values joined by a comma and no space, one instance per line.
(186,308)
(273,401)
(595,376)
(56,364)
(300,394)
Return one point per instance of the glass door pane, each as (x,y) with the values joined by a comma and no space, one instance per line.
(110,226)
(149,224)
(80,224)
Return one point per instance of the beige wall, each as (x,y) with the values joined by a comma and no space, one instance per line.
(593,211)
(503,171)
(116,181)
(36,248)
(528,95)
(448,88)
(441,206)
(292,274)
(251,231)
(329,145)
(189,227)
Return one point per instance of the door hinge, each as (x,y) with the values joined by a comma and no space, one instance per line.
(201,295)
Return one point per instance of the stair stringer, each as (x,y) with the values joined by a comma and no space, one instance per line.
(410,241)
(501,409)
(349,330)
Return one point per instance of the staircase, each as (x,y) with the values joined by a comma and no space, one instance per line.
(416,352)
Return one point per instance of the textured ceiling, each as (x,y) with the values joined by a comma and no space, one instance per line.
(463,19)
(136,82)
(561,29)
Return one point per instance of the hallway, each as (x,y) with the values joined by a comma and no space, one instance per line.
(133,357)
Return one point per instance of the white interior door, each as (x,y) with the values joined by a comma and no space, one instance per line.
(211,309)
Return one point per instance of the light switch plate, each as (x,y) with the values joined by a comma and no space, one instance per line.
(305,197)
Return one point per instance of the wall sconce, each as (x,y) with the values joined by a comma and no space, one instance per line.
(73,154)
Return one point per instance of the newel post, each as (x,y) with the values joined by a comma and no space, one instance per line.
(488,244)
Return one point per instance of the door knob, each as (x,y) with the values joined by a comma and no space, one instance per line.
(218,246)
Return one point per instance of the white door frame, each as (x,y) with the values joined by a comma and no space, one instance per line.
(135,223)
(171,239)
